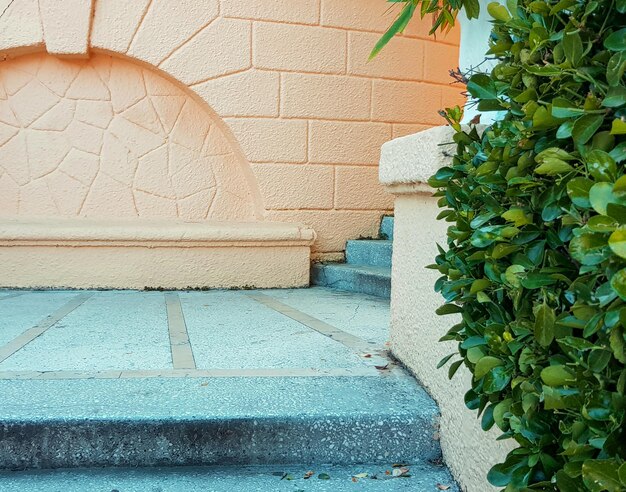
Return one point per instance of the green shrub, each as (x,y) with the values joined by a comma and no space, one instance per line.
(536,257)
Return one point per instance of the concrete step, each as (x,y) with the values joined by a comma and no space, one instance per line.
(386,227)
(189,421)
(424,477)
(372,252)
(373,280)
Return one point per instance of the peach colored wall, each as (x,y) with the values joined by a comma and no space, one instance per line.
(289,83)
(105,138)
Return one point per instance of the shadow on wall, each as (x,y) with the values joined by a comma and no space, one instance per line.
(105,137)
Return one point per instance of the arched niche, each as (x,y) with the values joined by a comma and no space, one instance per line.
(105,137)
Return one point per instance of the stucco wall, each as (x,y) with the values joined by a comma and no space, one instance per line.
(406,164)
(102,137)
(289,84)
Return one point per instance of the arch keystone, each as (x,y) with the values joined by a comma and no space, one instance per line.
(66,26)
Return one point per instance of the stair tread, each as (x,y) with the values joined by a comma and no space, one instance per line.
(211,398)
(424,477)
(215,421)
(372,242)
(382,271)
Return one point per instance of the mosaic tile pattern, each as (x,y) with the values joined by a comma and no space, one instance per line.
(104,137)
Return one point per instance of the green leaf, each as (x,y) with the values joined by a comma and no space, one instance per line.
(600,195)
(598,360)
(472,9)
(565,130)
(558,375)
(502,250)
(619,152)
(501,474)
(324,476)
(618,345)
(565,483)
(564,108)
(512,275)
(573,48)
(496,380)
(585,127)
(588,249)
(618,127)
(578,191)
(618,282)
(553,167)
(486,364)
(602,223)
(615,68)
(479,285)
(617,242)
(618,212)
(454,367)
(616,41)
(518,216)
(449,309)
(544,325)
(536,280)
(615,97)
(445,360)
(621,471)
(602,475)
(498,12)
(543,119)
(619,188)
(601,166)
(481,86)
(397,27)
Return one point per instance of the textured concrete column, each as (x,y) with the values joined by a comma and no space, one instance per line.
(405,165)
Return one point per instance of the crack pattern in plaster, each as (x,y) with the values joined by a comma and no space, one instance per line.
(106,138)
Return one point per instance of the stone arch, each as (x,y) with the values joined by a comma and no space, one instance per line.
(105,136)
(145,33)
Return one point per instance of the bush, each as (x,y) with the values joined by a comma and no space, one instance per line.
(536,257)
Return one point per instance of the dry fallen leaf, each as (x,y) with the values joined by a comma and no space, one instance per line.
(382,368)
(402,471)
(309,474)
(442,487)
(367,356)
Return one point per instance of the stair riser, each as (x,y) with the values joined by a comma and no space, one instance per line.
(372,253)
(236,442)
(386,227)
(351,281)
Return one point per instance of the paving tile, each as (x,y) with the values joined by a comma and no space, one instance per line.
(231,330)
(19,313)
(358,314)
(112,330)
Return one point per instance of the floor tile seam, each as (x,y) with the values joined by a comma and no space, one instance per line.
(11,296)
(360,347)
(180,343)
(31,334)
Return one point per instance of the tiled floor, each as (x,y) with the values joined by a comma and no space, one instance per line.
(285,379)
(118,334)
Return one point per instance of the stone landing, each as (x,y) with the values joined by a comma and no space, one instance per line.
(242,384)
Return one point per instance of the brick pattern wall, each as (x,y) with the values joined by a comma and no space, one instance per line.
(291,81)
(324,110)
